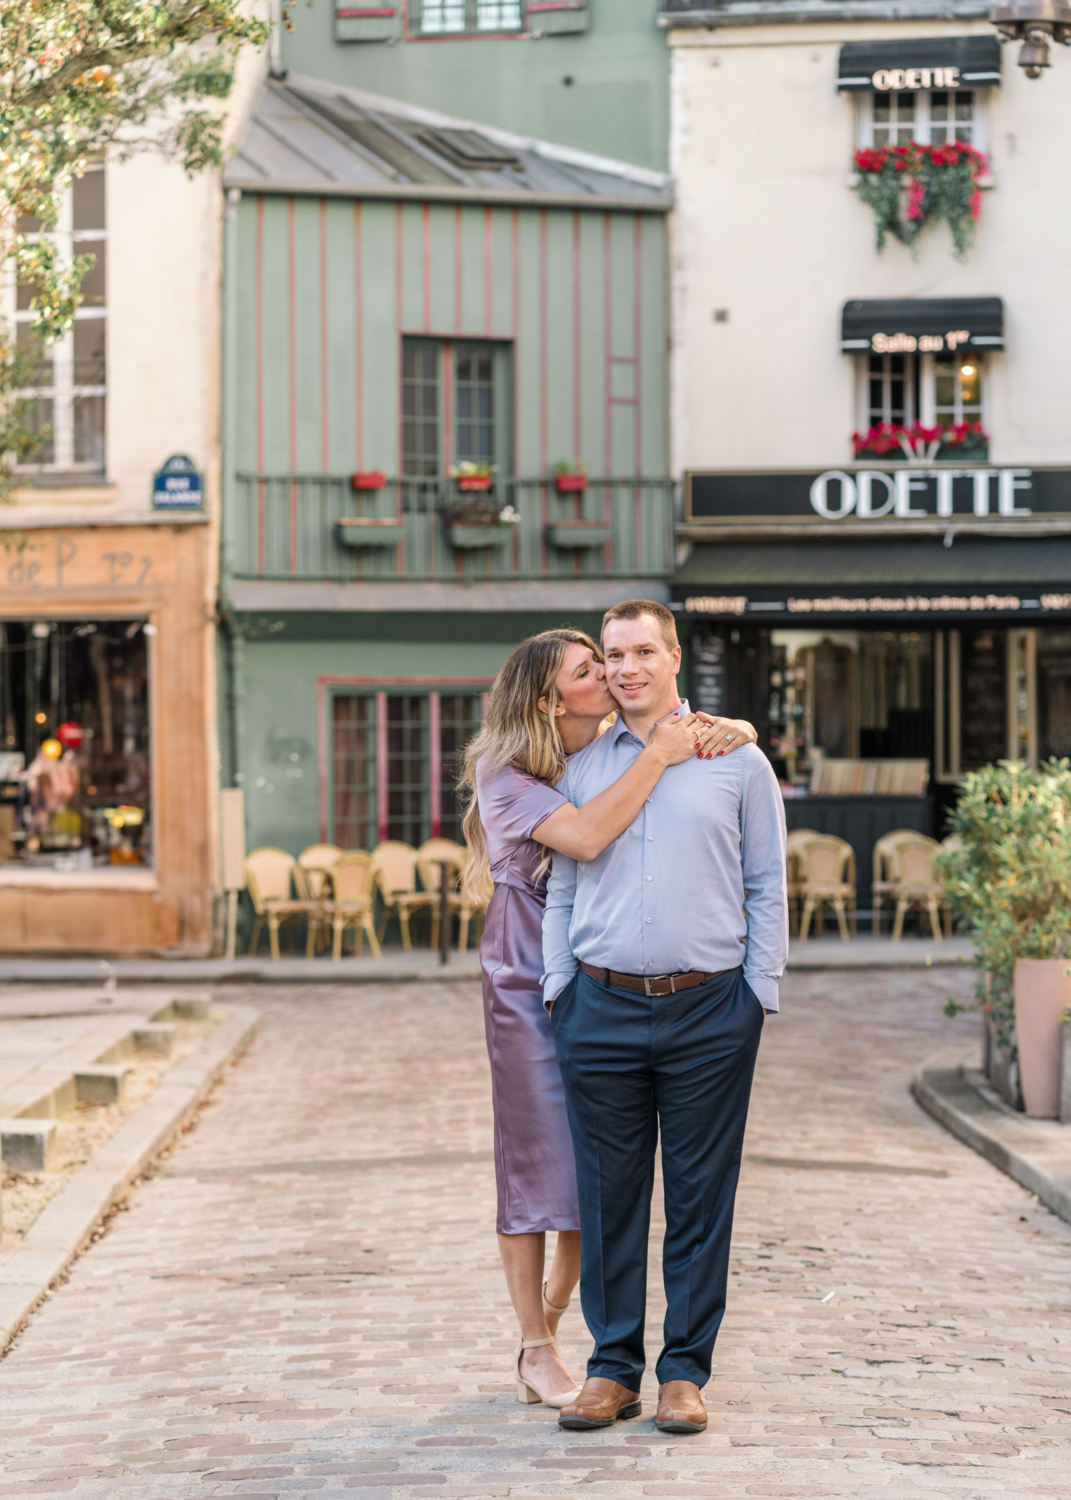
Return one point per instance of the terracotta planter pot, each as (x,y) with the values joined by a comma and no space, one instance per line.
(568,484)
(368,479)
(1042,994)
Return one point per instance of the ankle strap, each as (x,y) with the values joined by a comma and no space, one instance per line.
(535,1343)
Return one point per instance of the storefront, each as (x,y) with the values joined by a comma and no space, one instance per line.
(883,649)
(104,812)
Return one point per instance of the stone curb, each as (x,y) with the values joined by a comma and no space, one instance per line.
(65,1226)
(1036,1153)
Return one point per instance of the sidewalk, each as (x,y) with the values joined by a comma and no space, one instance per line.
(1036,1153)
(421,965)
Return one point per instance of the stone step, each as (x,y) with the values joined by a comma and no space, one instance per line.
(103,1083)
(27,1145)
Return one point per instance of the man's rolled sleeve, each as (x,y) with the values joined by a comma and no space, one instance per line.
(762,849)
(559,962)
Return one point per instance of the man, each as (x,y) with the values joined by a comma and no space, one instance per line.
(657,980)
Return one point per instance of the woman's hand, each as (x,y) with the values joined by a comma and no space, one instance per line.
(683,736)
(729,734)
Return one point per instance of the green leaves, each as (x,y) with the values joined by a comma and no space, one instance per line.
(1010,882)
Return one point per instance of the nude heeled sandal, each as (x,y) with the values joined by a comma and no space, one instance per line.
(526,1392)
(548,1306)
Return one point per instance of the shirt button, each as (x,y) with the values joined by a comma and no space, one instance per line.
(648,921)
(650,838)
(650,877)
(649,801)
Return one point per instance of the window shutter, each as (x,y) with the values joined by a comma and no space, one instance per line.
(367,23)
(554,17)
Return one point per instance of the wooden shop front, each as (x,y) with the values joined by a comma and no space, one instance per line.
(105,815)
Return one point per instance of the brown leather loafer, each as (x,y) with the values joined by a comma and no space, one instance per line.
(680,1407)
(601,1403)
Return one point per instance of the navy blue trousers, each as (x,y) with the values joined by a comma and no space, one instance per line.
(632,1063)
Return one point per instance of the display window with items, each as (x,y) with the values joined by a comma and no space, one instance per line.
(75,766)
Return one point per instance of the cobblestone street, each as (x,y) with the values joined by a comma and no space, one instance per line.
(306,1298)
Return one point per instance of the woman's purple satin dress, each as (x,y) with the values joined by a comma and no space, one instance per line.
(533,1148)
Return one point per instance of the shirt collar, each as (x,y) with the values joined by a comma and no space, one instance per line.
(620,729)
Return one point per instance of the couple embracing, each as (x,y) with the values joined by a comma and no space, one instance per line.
(623,996)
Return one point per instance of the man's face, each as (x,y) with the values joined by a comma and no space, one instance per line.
(641,670)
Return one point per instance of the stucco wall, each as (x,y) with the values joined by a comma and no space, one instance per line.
(768,228)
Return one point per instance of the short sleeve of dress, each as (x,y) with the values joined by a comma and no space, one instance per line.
(513,803)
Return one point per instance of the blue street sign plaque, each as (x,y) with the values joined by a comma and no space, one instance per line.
(177,486)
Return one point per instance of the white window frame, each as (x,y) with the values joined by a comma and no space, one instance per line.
(469,17)
(63,392)
(922,389)
(922,129)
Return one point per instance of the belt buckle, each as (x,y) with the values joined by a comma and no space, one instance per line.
(647,984)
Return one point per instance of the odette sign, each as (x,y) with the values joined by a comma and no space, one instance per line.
(915,78)
(903,492)
(907,494)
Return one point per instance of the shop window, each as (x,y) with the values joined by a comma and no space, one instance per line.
(933,117)
(1054,693)
(70,389)
(983,712)
(934,390)
(457,405)
(74,764)
(396,760)
(439,17)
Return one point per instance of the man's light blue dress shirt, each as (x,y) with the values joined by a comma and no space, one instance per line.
(670,894)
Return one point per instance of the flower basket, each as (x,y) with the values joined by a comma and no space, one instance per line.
(890,442)
(570,484)
(365,531)
(368,479)
(469,475)
(906,187)
(469,482)
(575,535)
(469,537)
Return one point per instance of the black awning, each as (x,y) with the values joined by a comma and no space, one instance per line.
(925,325)
(894,65)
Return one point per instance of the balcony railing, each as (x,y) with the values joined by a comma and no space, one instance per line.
(316,526)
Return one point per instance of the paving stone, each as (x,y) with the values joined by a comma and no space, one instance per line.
(306,1298)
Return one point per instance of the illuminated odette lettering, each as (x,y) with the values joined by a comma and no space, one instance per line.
(915,78)
(908,493)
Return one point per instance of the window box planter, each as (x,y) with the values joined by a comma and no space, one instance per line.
(573,535)
(469,482)
(364,531)
(570,484)
(368,479)
(468,537)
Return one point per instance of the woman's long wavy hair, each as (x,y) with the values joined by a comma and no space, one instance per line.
(517,733)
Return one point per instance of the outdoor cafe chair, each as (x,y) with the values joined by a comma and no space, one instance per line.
(396,876)
(915,883)
(317,861)
(429,858)
(268,876)
(354,880)
(827,866)
(794,886)
(885,870)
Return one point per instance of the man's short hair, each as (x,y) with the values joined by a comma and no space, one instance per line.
(635,609)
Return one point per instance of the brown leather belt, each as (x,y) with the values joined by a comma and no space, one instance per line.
(659,984)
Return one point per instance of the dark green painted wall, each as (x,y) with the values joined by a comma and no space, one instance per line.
(617,103)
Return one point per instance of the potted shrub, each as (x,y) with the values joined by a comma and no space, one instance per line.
(1010,884)
(479,522)
(570,479)
(469,475)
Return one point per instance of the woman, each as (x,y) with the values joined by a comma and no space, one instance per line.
(547,702)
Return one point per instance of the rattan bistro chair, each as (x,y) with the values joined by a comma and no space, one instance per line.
(462,903)
(268,876)
(827,866)
(353,879)
(318,860)
(915,883)
(794,885)
(396,876)
(884,873)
